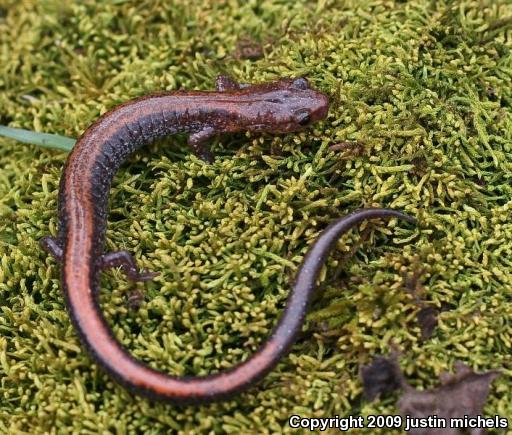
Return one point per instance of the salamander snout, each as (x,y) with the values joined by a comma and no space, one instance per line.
(319,106)
(285,106)
(304,105)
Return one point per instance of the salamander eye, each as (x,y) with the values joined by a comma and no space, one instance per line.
(300,83)
(302,117)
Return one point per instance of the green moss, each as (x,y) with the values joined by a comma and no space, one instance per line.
(421,96)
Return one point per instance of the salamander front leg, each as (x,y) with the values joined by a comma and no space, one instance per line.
(197,142)
(52,246)
(227,83)
(128,263)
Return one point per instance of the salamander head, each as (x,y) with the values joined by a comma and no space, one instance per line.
(285,106)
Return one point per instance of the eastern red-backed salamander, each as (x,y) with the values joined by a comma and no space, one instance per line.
(280,107)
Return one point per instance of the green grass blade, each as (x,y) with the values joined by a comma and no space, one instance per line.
(42,139)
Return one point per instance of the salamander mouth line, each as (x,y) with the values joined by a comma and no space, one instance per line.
(83,203)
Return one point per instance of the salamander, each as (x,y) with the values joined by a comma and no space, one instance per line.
(287,105)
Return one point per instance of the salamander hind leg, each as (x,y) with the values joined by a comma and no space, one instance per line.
(197,142)
(128,263)
(53,246)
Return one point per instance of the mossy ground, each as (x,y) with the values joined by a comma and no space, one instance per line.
(421,96)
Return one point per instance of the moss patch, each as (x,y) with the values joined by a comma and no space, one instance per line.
(421,121)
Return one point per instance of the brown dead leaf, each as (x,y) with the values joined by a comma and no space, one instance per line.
(381,377)
(461,394)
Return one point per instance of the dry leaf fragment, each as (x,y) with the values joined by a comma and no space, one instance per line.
(461,394)
(381,377)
